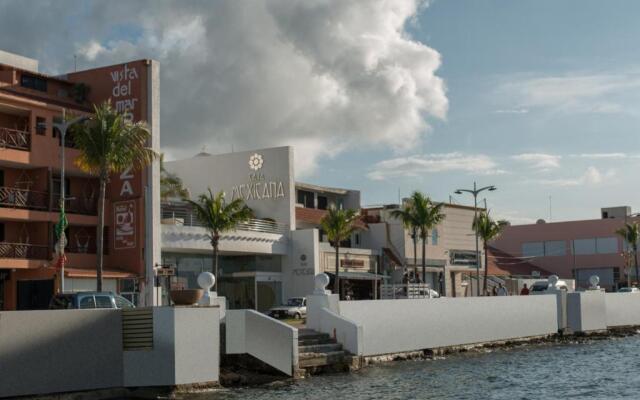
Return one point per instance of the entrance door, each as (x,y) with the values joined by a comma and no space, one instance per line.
(35,295)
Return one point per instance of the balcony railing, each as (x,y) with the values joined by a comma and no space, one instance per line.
(24,251)
(15,139)
(186,217)
(76,205)
(21,198)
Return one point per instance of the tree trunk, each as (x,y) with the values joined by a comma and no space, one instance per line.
(100,232)
(424,259)
(215,242)
(336,283)
(415,250)
(486,271)
(635,260)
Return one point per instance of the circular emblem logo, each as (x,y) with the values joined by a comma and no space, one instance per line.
(255,162)
(303,257)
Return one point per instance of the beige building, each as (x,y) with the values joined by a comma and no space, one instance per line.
(450,247)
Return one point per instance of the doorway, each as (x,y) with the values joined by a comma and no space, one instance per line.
(35,295)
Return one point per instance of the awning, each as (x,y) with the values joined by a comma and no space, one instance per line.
(91,273)
(365,276)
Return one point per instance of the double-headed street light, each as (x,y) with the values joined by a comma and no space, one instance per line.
(62,239)
(475,191)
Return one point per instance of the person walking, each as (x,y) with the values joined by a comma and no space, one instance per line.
(524,291)
(502,291)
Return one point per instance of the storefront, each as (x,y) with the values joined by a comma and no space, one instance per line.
(246,281)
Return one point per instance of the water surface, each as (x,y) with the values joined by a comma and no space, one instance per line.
(604,369)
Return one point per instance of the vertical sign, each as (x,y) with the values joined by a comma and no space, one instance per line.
(125,224)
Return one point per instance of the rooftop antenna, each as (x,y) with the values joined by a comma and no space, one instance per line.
(550,209)
(399,198)
(75,63)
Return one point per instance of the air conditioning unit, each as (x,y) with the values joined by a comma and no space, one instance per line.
(535,274)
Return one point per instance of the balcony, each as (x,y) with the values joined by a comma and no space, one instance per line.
(24,251)
(76,205)
(21,198)
(183,215)
(15,139)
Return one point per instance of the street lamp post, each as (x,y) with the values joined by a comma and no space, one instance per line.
(63,126)
(475,191)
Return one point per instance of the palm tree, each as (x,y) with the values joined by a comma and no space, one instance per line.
(218,217)
(170,184)
(338,225)
(110,144)
(487,229)
(405,215)
(631,233)
(427,215)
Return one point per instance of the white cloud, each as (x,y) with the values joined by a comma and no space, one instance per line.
(418,165)
(591,177)
(539,161)
(330,75)
(573,92)
(604,156)
(512,111)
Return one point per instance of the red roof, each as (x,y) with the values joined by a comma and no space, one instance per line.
(314,216)
(504,264)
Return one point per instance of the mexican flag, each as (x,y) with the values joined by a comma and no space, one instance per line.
(62,238)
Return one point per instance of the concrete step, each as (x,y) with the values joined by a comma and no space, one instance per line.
(309,360)
(310,342)
(320,348)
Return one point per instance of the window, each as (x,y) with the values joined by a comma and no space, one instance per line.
(67,186)
(305,198)
(584,246)
(121,302)
(41,125)
(33,82)
(606,245)
(357,239)
(555,248)
(2,232)
(87,302)
(103,302)
(322,203)
(533,249)
(434,237)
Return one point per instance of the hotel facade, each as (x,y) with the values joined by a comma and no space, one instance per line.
(30,185)
(570,249)
(276,255)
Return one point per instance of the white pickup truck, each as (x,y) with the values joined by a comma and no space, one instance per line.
(296,307)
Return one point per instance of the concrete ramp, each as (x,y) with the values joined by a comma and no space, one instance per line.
(267,339)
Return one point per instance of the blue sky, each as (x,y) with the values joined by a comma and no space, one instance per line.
(581,60)
(540,98)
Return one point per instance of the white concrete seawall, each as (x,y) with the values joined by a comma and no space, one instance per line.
(378,327)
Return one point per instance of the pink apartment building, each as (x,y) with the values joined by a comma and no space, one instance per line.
(570,249)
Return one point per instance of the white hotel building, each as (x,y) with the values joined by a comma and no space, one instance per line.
(276,255)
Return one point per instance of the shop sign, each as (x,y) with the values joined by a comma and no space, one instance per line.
(352,263)
(258,186)
(125,224)
(122,91)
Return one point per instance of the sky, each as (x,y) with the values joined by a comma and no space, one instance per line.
(539,98)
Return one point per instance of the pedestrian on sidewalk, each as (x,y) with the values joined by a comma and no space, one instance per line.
(524,291)
(502,291)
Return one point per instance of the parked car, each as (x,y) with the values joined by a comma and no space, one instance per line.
(296,307)
(88,300)
(542,287)
(628,290)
